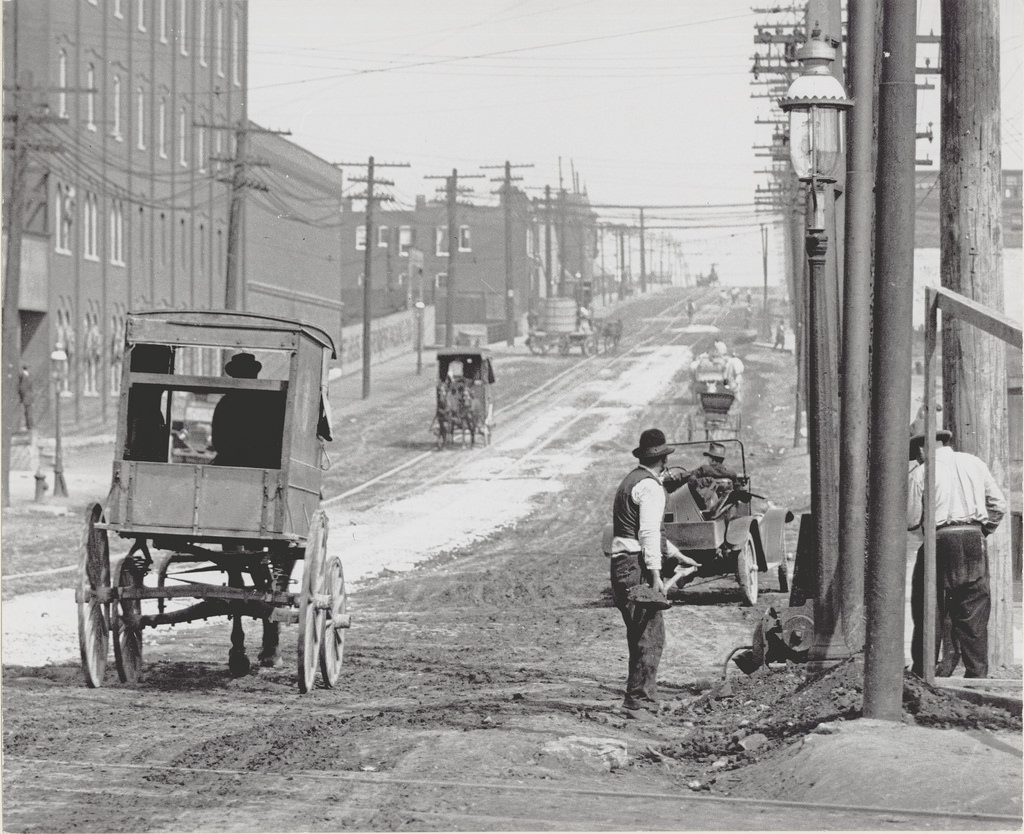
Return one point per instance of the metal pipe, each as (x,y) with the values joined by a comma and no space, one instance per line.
(890,365)
(856,336)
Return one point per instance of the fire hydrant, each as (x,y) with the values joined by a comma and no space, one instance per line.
(41,486)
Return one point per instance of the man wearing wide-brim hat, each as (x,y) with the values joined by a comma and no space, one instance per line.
(968,507)
(636,563)
(247,425)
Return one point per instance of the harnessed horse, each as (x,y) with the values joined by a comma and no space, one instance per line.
(456,410)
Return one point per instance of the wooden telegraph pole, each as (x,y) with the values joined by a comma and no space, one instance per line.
(506,199)
(371,200)
(974,363)
(452,192)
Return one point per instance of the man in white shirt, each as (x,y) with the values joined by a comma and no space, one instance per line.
(968,507)
(636,558)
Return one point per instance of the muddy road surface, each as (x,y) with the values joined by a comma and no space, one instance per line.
(484,668)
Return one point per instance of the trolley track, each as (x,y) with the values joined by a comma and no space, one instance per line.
(425,798)
(559,390)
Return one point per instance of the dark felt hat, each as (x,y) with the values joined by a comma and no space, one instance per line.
(917,441)
(652,445)
(243,365)
(716,451)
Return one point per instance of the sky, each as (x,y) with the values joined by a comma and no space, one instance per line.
(645,103)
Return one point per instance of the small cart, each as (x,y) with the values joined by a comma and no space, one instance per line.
(216,473)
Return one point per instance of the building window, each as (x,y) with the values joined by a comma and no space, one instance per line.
(140,14)
(202,249)
(441,281)
(90,98)
(184,242)
(382,237)
(441,240)
(360,237)
(201,43)
(140,119)
(115,100)
(182,138)
(183,26)
(118,10)
(62,82)
(117,233)
(218,40)
(161,128)
(218,146)
(162,15)
(65,217)
(404,240)
(90,227)
(236,51)
(464,243)
(201,149)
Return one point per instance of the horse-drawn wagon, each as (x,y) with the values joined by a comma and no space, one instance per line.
(463,395)
(246,505)
(562,326)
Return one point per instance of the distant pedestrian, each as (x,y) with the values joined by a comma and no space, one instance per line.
(780,336)
(968,507)
(750,299)
(748,314)
(734,294)
(26,396)
(691,308)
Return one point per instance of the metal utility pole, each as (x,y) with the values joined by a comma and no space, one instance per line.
(885,581)
(371,199)
(856,331)
(622,264)
(561,242)
(510,296)
(452,192)
(973,362)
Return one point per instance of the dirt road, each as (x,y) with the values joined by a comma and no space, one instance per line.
(480,689)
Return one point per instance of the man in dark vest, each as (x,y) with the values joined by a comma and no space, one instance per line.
(636,558)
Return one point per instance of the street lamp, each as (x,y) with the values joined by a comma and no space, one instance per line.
(815,102)
(57,360)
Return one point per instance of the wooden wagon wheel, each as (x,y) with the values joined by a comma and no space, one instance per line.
(125,615)
(93,597)
(746,569)
(311,619)
(332,649)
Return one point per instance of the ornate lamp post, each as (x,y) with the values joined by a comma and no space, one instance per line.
(815,102)
(419,306)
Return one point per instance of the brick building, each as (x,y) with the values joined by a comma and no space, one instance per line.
(126,111)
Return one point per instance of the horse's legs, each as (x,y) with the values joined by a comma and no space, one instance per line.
(281,571)
(238,663)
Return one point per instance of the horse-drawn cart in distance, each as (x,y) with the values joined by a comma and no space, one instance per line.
(463,395)
(246,504)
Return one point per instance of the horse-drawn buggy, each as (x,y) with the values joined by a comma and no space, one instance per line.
(463,396)
(709,518)
(222,525)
